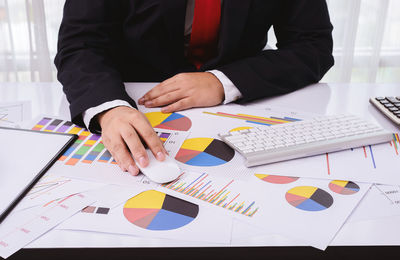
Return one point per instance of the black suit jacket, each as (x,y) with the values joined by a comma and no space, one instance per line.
(104,43)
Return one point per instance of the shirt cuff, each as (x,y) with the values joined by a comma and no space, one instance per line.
(89,114)
(232,93)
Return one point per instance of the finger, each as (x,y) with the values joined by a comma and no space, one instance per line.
(122,156)
(160,89)
(151,139)
(165,99)
(135,146)
(179,105)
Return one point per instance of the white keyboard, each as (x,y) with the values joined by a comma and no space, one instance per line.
(262,145)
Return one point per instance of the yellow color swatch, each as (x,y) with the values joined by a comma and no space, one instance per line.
(75,130)
(197,144)
(90,142)
(150,199)
(85,133)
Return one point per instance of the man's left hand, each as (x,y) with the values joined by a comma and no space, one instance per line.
(185,90)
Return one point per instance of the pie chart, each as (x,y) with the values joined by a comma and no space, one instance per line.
(309,198)
(204,151)
(170,121)
(276,179)
(344,187)
(154,210)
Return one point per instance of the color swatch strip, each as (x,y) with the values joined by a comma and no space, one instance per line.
(41,123)
(53,125)
(94,153)
(84,148)
(82,136)
(64,127)
(105,157)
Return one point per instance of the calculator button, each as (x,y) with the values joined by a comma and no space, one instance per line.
(380,98)
(388,105)
(392,99)
(384,102)
(393,109)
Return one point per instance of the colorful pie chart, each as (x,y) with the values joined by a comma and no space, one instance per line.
(276,179)
(344,187)
(170,121)
(154,210)
(204,151)
(309,198)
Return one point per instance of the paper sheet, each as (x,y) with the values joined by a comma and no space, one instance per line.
(377,204)
(53,187)
(153,214)
(88,159)
(298,208)
(24,226)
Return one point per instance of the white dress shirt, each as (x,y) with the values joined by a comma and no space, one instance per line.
(232,93)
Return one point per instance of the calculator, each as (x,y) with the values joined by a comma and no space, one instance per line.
(389,106)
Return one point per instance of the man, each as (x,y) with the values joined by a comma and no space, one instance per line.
(204,53)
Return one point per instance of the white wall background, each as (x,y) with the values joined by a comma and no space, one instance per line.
(366,39)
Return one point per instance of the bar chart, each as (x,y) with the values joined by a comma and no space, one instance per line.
(203,187)
(267,121)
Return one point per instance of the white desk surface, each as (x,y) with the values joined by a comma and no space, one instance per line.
(47,98)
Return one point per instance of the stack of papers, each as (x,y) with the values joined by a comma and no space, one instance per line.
(217,200)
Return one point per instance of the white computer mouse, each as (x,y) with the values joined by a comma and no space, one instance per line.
(160,172)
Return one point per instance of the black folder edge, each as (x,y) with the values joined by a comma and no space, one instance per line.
(42,172)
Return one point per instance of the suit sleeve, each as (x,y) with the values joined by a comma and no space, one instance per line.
(303,55)
(88,53)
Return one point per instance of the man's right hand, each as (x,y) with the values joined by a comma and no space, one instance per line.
(122,131)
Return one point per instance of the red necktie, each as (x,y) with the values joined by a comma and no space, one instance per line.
(205,28)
